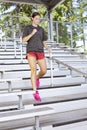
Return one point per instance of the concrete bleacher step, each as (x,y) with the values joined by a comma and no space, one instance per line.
(68,106)
(69,58)
(24,60)
(66,95)
(9,50)
(45,83)
(43,128)
(75,61)
(49,96)
(81,125)
(4,69)
(47,55)
(16,61)
(6,118)
(73,127)
(79,66)
(72,117)
(18,53)
(11,57)
(9,47)
(65,113)
(11,53)
(12,61)
(58,52)
(69,112)
(26,74)
(61,54)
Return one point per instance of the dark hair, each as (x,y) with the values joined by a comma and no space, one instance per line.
(35,14)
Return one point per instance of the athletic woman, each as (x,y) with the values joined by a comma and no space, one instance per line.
(35,36)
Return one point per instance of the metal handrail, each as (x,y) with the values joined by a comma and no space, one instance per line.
(71,51)
(70,67)
(66,65)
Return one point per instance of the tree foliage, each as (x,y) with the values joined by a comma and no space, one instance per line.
(72,11)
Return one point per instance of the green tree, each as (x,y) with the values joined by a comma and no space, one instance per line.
(70,11)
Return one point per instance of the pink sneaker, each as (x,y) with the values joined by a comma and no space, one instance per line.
(37,83)
(37,96)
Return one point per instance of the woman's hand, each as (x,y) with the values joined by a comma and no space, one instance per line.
(49,50)
(45,45)
(34,31)
(25,39)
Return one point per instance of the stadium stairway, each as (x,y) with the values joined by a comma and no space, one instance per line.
(63,90)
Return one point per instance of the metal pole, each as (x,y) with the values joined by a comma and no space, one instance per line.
(37,123)
(51,64)
(9,87)
(14,45)
(5,40)
(84,37)
(85,79)
(1,41)
(48,31)
(50,25)
(71,37)
(51,38)
(21,49)
(2,75)
(1,35)
(57,33)
(21,105)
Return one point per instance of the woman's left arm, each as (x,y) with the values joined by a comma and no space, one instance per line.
(46,46)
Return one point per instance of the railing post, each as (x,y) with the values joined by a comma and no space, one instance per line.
(2,74)
(21,48)
(1,41)
(21,52)
(20,105)
(51,65)
(71,36)
(85,79)
(5,43)
(14,45)
(37,123)
(57,32)
(1,35)
(9,86)
(70,72)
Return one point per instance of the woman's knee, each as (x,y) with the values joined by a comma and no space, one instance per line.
(33,71)
(44,71)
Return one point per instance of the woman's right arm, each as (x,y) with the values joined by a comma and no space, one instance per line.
(26,38)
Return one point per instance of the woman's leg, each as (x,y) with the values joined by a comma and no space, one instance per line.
(43,68)
(32,64)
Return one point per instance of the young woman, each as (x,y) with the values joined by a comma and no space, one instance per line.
(35,36)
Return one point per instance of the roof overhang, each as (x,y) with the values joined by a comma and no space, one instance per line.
(50,4)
